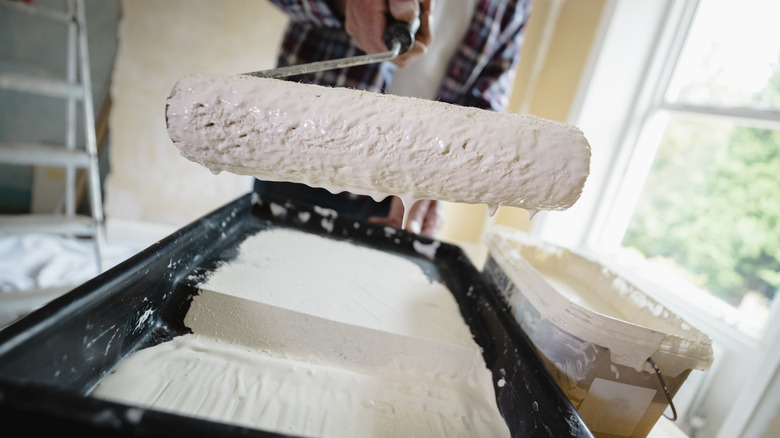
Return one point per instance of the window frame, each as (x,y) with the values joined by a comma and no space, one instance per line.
(623,86)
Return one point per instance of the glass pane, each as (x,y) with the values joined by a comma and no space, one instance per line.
(710,209)
(730,56)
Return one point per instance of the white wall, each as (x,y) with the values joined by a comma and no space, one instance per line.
(159,42)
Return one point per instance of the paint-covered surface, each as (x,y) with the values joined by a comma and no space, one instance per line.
(595,331)
(278,130)
(52,359)
(306,334)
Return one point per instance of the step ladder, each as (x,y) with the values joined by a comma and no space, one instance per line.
(74,88)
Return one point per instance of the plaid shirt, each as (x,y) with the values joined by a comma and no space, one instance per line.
(481,73)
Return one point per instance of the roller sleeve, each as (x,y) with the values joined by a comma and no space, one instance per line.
(378,145)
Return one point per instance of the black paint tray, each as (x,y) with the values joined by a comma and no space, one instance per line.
(51,359)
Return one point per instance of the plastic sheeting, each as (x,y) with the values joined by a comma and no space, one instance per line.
(36,268)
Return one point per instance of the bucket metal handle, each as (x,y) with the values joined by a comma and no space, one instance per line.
(666,389)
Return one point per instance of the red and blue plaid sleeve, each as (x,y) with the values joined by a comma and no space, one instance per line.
(314,12)
(483,70)
(307,40)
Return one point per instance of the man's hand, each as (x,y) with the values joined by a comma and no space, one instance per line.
(425,217)
(365,21)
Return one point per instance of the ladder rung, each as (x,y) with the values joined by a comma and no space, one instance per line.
(43,223)
(51,14)
(43,86)
(35,154)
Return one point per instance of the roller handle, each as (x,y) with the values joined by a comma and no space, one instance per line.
(401,32)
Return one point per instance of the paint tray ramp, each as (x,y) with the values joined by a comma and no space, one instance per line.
(296,372)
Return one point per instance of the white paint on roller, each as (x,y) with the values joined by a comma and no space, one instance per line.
(377,145)
(310,336)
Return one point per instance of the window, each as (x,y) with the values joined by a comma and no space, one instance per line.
(699,202)
(682,109)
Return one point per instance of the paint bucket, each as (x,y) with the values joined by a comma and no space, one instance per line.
(617,354)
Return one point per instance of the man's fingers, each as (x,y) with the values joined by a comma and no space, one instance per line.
(404,10)
(425,33)
(416,219)
(423,38)
(418,49)
(434,218)
(365,21)
(425,217)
